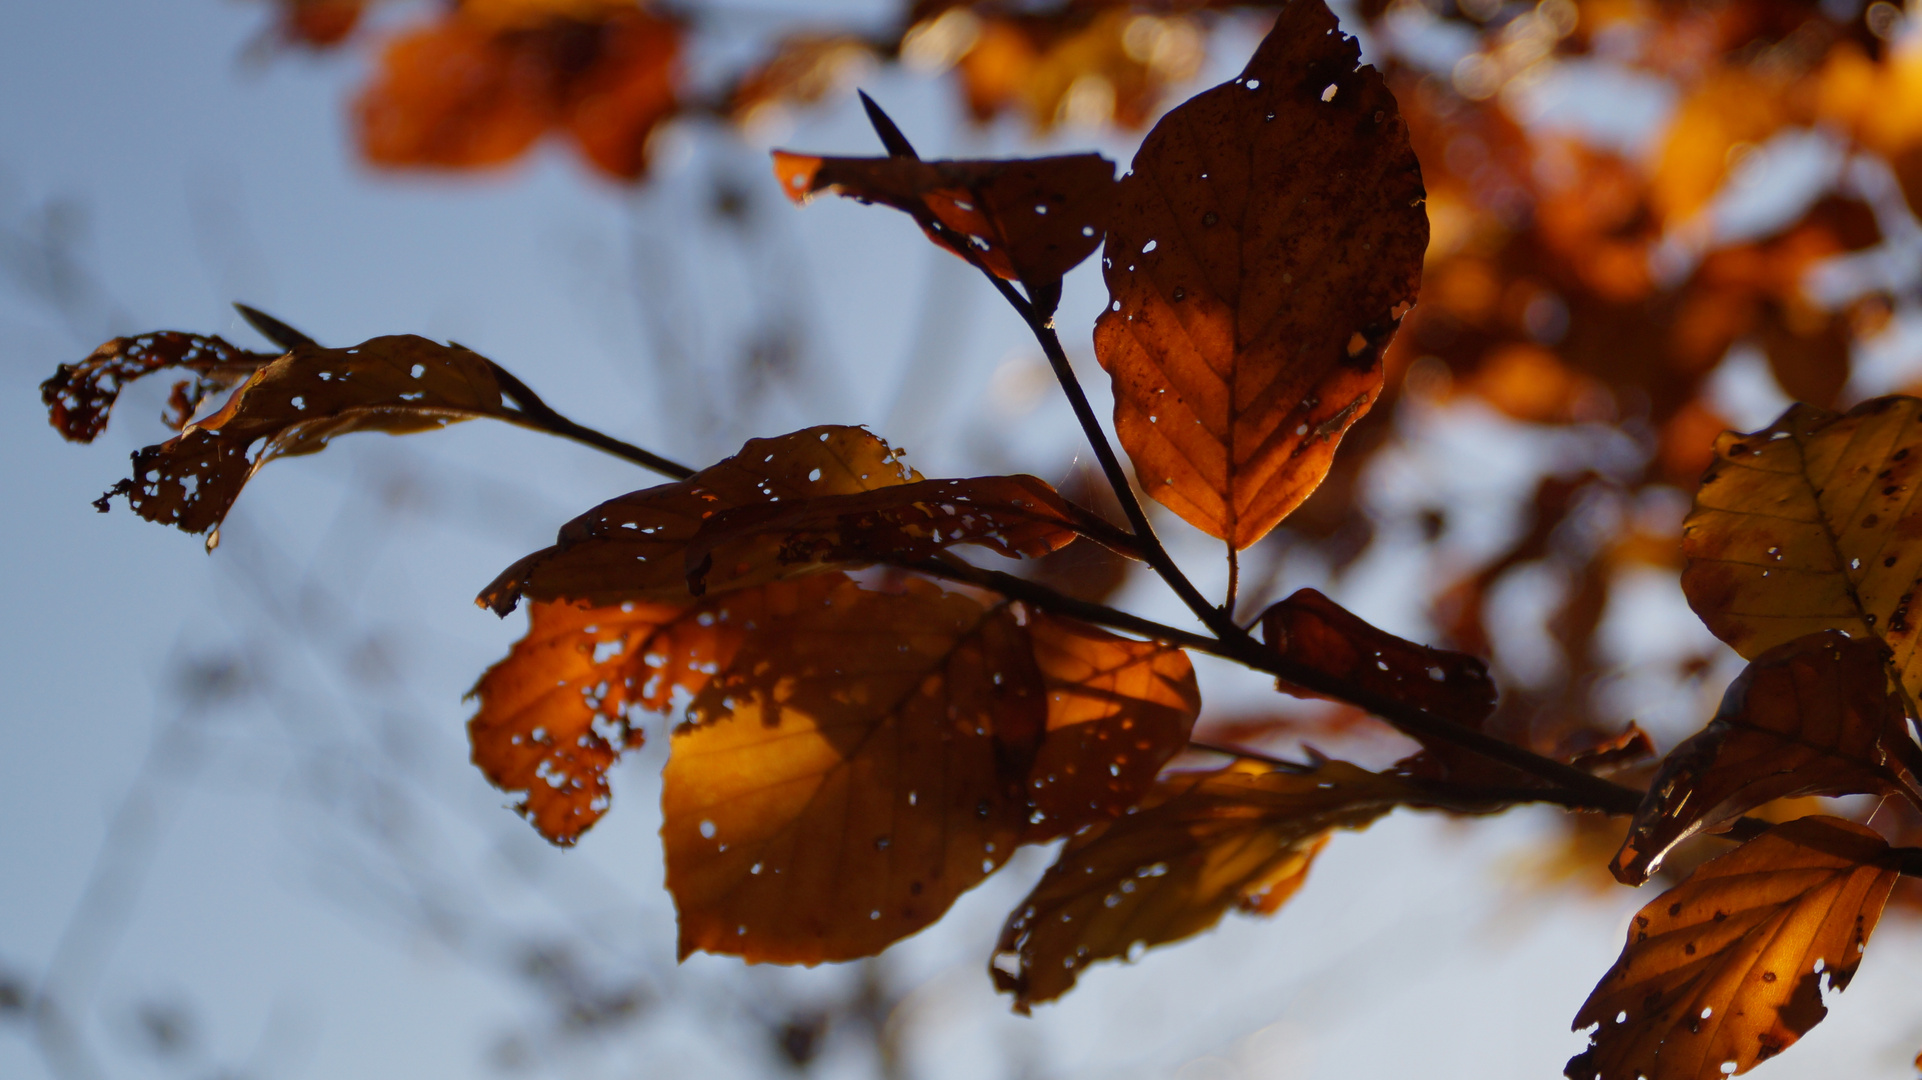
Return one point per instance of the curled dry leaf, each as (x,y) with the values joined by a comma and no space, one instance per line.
(859,766)
(1200,842)
(634,548)
(1813,716)
(1727,967)
(1016,516)
(79,396)
(1810,525)
(1029,219)
(558,710)
(294,405)
(1117,711)
(1262,251)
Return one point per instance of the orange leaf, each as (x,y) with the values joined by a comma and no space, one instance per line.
(454,95)
(1263,249)
(1117,711)
(1029,219)
(858,767)
(1727,966)
(1811,717)
(614,105)
(294,405)
(1200,842)
(79,396)
(634,547)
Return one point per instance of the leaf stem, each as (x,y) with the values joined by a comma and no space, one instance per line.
(542,417)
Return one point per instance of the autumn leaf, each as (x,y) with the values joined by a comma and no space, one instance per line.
(635,547)
(859,766)
(1117,711)
(1262,251)
(1028,219)
(80,396)
(1200,843)
(1810,525)
(1016,516)
(295,405)
(557,711)
(1725,970)
(1813,716)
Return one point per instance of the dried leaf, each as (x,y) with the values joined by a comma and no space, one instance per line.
(294,405)
(79,396)
(1016,516)
(1727,966)
(613,107)
(1029,219)
(1810,525)
(860,765)
(1201,842)
(1262,252)
(453,94)
(1810,717)
(1117,711)
(634,547)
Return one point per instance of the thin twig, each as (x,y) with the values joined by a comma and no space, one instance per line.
(542,417)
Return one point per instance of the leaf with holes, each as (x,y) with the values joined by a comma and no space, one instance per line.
(1810,717)
(1200,843)
(1262,251)
(295,405)
(1028,219)
(634,548)
(1725,970)
(860,765)
(1810,524)
(79,396)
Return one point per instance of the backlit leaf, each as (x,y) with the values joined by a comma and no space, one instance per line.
(1810,717)
(1809,525)
(634,547)
(1200,843)
(1117,711)
(294,405)
(860,765)
(1029,219)
(1727,967)
(1263,249)
(79,396)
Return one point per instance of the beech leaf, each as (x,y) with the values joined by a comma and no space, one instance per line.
(1262,251)
(295,405)
(80,396)
(1200,843)
(635,547)
(1813,716)
(1726,969)
(1810,524)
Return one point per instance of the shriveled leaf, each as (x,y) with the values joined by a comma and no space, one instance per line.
(1117,711)
(1029,219)
(1262,252)
(1012,515)
(79,396)
(1810,525)
(295,405)
(558,710)
(1813,716)
(860,765)
(1201,842)
(635,547)
(1728,966)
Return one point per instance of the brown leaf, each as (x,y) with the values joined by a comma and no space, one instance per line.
(294,405)
(1016,516)
(1810,717)
(1117,711)
(634,547)
(557,712)
(1727,966)
(1809,525)
(1263,250)
(859,766)
(1029,219)
(1243,835)
(79,396)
